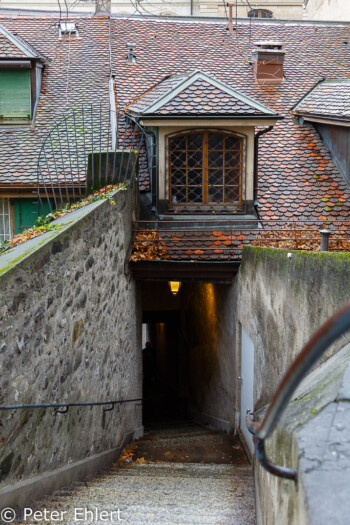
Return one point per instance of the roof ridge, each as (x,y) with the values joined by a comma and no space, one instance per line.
(185,81)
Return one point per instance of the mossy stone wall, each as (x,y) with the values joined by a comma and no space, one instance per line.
(69,332)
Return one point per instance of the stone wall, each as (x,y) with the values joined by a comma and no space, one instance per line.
(281,300)
(283,296)
(68,325)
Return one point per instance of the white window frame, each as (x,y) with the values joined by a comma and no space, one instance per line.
(5,232)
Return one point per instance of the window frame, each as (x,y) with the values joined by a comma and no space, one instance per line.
(5,236)
(261,13)
(206,206)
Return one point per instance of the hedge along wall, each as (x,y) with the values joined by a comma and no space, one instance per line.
(68,327)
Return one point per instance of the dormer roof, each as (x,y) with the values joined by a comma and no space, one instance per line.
(197,94)
(329,99)
(14,47)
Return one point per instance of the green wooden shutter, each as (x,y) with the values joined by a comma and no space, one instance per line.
(15,96)
(26,213)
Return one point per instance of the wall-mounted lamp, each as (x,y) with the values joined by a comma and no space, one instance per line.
(174,286)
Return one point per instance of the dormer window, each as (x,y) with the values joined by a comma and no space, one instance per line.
(205,168)
(206,144)
(20,79)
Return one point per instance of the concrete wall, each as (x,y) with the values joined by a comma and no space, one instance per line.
(207,334)
(280,8)
(158,7)
(281,301)
(311,437)
(337,10)
(69,328)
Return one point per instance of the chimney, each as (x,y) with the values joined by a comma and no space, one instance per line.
(268,60)
(103,7)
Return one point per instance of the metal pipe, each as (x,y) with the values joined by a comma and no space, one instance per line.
(258,134)
(230,28)
(324,240)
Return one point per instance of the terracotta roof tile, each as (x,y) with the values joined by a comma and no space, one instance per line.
(8,49)
(329,99)
(78,72)
(202,97)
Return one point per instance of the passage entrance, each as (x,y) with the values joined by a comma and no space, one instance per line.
(189,361)
(162,395)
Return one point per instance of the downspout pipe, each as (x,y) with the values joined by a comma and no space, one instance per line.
(258,134)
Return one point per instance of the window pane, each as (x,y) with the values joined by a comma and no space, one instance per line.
(195,177)
(195,194)
(178,159)
(232,159)
(232,176)
(195,141)
(178,177)
(6,206)
(215,141)
(195,159)
(232,143)
(215,177)
(215,194)
(178,195)
(178,143)
(215,159)
(232,194)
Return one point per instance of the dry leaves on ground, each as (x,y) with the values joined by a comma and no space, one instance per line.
(303,237)
(148,246)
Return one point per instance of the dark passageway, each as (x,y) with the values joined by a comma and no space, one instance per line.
(163,398)
(188,354)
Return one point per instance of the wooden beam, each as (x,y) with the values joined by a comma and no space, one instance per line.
(201,271)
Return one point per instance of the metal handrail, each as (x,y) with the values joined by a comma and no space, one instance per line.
(66,406)
(329,332)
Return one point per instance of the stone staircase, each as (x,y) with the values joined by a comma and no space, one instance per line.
(159,492)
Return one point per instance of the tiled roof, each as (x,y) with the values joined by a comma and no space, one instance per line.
(196,94)
(297,177)
(329,99)
(8,49)
(76,73)
(13,46)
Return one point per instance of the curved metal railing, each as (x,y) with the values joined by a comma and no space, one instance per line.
(89,149)
(329,332)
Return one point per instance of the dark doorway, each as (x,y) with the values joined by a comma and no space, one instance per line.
(163,396)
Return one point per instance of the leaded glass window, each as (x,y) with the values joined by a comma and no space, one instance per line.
(205,168)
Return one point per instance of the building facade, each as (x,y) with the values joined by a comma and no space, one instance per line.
(281,9)
(327,10)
